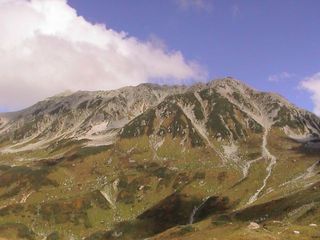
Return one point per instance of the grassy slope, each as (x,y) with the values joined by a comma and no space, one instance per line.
(64,190)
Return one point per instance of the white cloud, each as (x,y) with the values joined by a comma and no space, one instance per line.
(46,48)
(312,84)
(280,76)
(197,4)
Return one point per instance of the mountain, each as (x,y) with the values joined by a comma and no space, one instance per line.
(161,162)
(80,115)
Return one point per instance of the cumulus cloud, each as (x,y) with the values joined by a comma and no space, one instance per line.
(312,84)
(280,76)
(196,4)
(46,48)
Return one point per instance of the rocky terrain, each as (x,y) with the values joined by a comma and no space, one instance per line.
(216,160)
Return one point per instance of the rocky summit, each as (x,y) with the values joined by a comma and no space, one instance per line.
(216,160)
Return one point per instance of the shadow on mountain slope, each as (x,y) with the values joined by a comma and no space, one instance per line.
(302,207)
(174,210)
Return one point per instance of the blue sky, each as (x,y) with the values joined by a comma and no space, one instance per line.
(271,45)
(249,40)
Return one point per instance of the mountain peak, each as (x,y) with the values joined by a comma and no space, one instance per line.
(62,94)
(227,81)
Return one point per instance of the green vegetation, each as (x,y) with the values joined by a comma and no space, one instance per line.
(141,125)
(284,119)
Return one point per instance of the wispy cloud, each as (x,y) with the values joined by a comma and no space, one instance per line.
(235,10)
(312,84)
(46,48)
(281,76)
(205,5)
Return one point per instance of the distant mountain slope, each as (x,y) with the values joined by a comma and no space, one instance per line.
(81,115)
(160,162)
(223,109)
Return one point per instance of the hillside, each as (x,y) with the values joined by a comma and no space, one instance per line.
(161,162)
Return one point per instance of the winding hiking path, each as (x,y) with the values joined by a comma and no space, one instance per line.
(273,160)
(247,166)
(266,122)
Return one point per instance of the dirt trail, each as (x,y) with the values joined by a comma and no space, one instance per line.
(247,166)
(273,160)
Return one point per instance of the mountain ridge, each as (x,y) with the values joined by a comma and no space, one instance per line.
(154,93)
(157,86)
